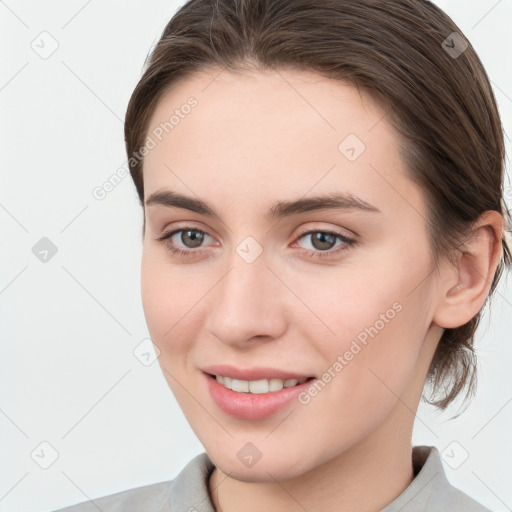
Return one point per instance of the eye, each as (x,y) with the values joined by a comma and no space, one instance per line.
(323,241)
(191,237)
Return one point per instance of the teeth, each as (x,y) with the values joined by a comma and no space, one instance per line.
(257,386)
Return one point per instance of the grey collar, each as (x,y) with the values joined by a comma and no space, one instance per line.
(429,491)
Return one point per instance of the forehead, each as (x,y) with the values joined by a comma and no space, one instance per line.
(287,130)
(267,102)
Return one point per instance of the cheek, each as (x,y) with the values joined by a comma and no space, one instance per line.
(376,326)
(166,290)
(162,299)
(370,361)
(155,295)
(173,299)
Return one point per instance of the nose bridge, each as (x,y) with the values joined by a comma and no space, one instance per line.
(249,298)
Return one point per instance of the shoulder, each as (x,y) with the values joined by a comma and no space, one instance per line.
(148,498)
(469,504)
(431,491)
(189,487)
(446,496)
(456,501)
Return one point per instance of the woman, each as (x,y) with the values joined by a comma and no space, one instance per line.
(323,223)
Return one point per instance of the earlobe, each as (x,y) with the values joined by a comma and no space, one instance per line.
(464,291)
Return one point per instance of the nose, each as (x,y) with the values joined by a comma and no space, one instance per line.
(249,302)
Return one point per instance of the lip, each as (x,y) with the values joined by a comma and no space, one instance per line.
(252,406)
(254,373)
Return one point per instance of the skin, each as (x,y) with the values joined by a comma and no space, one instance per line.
(253,139)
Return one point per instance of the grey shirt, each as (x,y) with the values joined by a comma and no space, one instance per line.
(430,491)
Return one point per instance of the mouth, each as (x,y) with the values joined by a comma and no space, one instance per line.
(257,387)
(256,399)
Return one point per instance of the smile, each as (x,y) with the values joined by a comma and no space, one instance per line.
(258,386)
(258,399)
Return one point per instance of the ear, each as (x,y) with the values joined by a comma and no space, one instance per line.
(465,287)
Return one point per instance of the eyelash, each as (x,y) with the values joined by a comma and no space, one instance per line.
(349,242)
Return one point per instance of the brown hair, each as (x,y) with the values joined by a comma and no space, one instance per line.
(403,53)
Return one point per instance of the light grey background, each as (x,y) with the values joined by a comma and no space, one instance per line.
(69,326)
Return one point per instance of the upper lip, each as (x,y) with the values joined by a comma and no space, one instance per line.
(254,373)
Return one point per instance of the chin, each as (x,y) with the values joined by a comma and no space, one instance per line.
(266,469)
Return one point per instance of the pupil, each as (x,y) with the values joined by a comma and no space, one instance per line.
(196,240)
(320,238)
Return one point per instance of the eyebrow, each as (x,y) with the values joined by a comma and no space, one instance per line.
(280,209)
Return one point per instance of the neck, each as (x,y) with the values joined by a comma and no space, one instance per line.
(365,478)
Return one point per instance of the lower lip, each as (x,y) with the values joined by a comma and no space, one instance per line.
(253,406)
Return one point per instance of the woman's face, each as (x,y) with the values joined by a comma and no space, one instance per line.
(266,284)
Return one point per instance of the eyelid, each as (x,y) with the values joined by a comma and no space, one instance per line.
(335,230)
(347,240)
(302,231)
(186,226)
(169,233)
